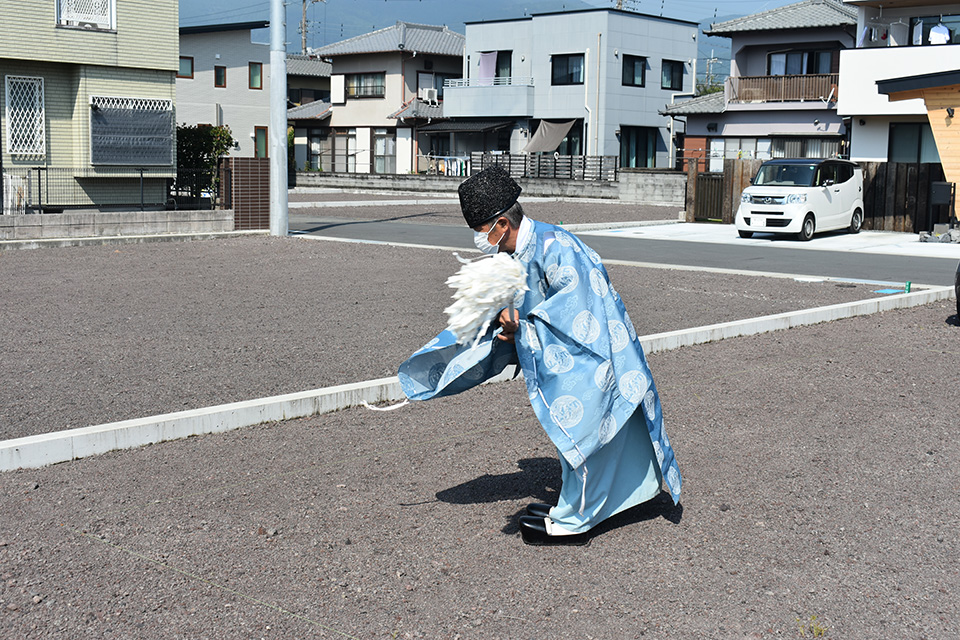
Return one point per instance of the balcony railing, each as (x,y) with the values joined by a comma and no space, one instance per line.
(86,13)
(803,88)
(522,81)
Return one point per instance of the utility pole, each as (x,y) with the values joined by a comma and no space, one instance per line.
(279,214)
(303,25)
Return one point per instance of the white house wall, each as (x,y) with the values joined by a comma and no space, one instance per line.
(534,40)
(236,105)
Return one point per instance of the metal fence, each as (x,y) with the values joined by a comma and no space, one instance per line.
(550,166)
(55,189)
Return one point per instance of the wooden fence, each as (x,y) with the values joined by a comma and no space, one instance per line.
(896,195)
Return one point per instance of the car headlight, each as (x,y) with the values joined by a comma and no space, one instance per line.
(744,197)
(796,198)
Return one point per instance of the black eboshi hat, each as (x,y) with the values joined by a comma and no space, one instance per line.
(487,194)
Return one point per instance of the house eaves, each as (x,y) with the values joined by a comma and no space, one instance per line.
(808,14)
(310,111)
(232,26)
(915,83)
(710,103)
(403,36)
(299,65)
(417,108)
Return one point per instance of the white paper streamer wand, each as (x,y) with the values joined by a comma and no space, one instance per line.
(483,287)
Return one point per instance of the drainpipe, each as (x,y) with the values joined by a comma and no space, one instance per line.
(586,102)
(673,144)
(596,128)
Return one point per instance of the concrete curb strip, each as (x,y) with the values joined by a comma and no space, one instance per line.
(50,448)
(117,240)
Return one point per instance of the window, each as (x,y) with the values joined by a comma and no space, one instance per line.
(26,120)
(504,64)
(384,151)
(260,142)
(256,75)
(798,63)
(219,76)
(638,146)
(671,75)
(86,14)
(131,131)
(912,142)
(567,69)
(634,71)
(799,147)
(366,85)
(186,67)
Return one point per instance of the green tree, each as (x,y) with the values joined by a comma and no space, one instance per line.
(199,149)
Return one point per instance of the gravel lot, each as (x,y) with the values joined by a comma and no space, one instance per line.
(822,493)
(99,334)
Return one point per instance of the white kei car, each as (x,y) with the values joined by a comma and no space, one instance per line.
(802,197)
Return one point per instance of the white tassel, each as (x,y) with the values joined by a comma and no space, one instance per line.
(483,288)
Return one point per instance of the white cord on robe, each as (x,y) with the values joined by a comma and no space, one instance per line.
(390,408)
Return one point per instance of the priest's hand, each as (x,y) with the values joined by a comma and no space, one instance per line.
(510,325)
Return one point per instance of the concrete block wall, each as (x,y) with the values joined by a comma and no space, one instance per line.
(644,186)
(128,223)
(652,186)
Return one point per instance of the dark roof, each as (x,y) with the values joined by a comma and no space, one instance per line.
(466,126)
(710,103)
(808,14)
(417,108)
(299,65)
(912,83)
(632,14)
(403,36)
(233,26)
(310,111)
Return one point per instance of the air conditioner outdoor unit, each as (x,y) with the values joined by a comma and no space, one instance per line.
(430,95)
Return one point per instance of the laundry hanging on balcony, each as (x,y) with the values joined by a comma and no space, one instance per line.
(548,136)
(488,69)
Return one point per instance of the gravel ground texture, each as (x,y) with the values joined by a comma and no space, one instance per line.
(821,499)
(100,334)
(552,211)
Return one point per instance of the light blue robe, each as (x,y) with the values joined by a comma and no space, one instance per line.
(587,379)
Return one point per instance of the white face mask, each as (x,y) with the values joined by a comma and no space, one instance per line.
(480,240)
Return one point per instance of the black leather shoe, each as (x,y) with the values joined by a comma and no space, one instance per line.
(539,510)
(533,530)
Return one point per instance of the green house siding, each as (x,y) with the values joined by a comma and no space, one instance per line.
(29,31)
(67,92)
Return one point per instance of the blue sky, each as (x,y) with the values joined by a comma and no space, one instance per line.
(336,20)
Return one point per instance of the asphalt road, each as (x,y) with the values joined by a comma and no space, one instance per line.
(835,264)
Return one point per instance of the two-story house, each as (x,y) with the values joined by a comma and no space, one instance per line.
(373,75)
(780,99)
(587,82)
(224,79)
(83,108)
(896,40)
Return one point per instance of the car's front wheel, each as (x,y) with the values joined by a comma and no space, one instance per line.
(809,226)
(856,221)
(745,234)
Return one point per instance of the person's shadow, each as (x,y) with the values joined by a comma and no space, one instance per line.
(537,479)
